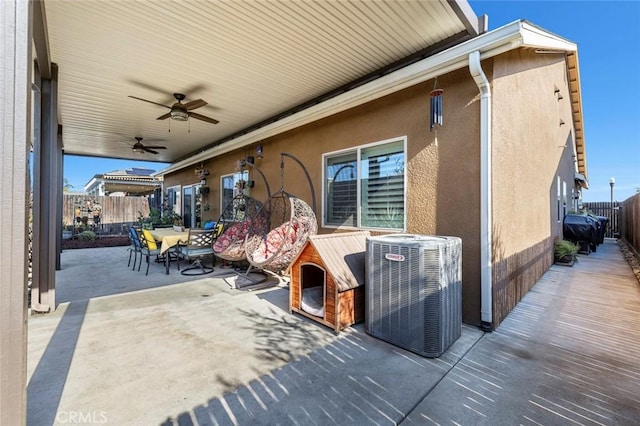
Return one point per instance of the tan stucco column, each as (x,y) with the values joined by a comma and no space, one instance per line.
(15,107)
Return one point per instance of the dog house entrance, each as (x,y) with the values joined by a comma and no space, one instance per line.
(313,284)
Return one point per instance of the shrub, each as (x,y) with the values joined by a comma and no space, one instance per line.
(87,235)
(155,218)
(562,248)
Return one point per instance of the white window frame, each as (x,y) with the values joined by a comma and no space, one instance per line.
(236,176)
(558,201)
(177,206)
(195,194)
(358,151)
(564,199)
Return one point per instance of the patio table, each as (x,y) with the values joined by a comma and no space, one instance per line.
(168,238)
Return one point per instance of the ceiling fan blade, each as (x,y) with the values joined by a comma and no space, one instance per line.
(195,88)
(198,103)
(146,148)
(151,102)
(164,116)
(203,118)
(154,140)
(155,147)
(147,86)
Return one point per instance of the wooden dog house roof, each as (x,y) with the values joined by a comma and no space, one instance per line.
(343,255)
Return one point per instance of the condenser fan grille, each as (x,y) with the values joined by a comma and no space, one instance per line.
(414,291)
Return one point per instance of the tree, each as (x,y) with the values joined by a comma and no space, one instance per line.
(66,187)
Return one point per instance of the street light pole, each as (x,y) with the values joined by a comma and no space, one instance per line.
(612,182)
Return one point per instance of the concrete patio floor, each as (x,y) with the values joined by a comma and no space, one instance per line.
(125,349)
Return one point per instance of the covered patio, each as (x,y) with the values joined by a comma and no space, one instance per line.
(88,78)
(127,349)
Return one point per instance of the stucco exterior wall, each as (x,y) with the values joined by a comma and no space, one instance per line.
(442,166)
(532,146)
(530,149)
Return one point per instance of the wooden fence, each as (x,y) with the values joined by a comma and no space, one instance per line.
(604,208)
(103,214)
(630,221)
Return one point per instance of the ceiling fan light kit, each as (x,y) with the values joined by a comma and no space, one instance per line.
(139,148)
(179,115)
(181,112)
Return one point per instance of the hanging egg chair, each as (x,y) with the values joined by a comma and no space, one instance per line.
(281,228)
(235,221)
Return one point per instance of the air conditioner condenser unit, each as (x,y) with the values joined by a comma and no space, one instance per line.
(413,296)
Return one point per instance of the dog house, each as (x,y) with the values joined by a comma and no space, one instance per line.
(327,279)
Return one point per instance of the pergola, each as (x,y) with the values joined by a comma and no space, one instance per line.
(73,75)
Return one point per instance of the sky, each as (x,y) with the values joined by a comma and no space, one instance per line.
(79,170)
(608,40)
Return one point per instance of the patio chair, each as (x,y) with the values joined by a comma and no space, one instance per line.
(135,247)
(199,244)
(281,228)
(148,247)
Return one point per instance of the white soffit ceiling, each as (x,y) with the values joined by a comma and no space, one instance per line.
(250,60)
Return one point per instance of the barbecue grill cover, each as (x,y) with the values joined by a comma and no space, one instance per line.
(580,228)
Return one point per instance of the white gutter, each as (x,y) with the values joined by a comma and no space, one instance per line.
(489,44)
(486,266)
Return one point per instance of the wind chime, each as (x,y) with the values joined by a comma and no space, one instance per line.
(436,106)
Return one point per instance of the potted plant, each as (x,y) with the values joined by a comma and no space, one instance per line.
(67,233)
(565,252)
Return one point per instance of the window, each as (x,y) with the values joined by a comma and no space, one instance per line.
(558,200)
(191,204)
(173,199)
(230,187)
(365,187)
(564,198)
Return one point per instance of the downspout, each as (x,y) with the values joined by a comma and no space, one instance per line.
(486,279)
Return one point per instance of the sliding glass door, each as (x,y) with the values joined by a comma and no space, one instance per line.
(191,212)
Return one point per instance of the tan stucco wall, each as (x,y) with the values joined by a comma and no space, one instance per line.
(443,167)
(530,148)
(442,174)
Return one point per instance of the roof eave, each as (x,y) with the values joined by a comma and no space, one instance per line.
(508,37)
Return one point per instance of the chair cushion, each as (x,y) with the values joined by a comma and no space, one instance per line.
(280,238)
(234,233)
(151,243)
(195,252)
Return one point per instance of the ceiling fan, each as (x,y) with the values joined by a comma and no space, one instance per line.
(180,111)
(139,148)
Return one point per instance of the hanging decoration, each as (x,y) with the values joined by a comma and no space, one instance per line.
(435,98)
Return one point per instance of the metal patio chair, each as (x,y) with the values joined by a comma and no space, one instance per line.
(148,247)
(199,244)
(135,247)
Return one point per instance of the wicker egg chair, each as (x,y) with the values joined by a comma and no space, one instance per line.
(281,228)
(235,221)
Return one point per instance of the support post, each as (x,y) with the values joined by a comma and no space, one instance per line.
(15,108)
(45,199)
(59,195)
